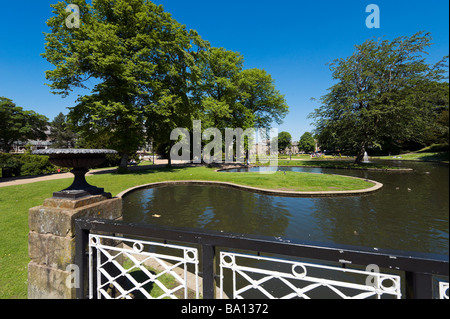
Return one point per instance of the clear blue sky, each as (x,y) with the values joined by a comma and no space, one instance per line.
(291,39)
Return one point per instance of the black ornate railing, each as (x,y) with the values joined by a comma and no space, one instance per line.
(420,269)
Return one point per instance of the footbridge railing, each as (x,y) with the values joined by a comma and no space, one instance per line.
(122,260)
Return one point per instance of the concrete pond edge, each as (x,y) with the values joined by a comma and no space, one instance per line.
(273,192)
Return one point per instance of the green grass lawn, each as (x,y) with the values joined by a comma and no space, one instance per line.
(15,202)
(432,153)
(420,156)
(336,163)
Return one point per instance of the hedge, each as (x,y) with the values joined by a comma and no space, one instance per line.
(28,165)
(33,165)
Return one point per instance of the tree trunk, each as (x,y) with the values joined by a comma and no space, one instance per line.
(360,156)
(6,147)
(124,161)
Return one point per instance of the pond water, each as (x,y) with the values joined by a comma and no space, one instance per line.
(410,213)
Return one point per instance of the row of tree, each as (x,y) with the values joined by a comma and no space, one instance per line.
(151,75)
(17,124)
(307,143)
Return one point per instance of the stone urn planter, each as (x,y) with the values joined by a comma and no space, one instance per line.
(81,160)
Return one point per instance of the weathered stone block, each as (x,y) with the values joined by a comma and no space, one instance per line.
(72,203)
(48,283)
(55,251)
(61,221)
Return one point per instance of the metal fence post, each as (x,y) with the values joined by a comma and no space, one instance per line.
(81,259)
(209,287)
(419,285)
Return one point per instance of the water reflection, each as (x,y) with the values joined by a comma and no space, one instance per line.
(208,207)
(410,213)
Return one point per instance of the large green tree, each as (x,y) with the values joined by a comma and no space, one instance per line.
(150,75)
(284,141)
(261,98)
(19,125)
(136,55)
(172,104)
(307,142)
(218,92)
(62,132)
(383,91)
(231,96)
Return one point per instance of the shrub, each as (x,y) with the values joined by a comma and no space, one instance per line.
(112,160)
(13,162)
(28,165)
(36,165)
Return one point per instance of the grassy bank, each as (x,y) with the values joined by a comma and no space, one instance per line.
(419,156)
(16,200)
(336,163)
(433,153)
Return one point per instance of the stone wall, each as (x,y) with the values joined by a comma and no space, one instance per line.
(51,242)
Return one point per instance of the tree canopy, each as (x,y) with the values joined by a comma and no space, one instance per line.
(140,59)
(151,75)
(19,125)
(284,141)
(384,91)
(307,142)
(62,132)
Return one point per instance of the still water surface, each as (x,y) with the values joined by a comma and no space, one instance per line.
(410,213)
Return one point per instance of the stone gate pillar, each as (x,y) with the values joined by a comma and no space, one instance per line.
(51,239)
(51,242)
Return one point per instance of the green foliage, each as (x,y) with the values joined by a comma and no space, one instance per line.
(36,165)
(260,97)
(12,162)
(284,141)
(28,165)
(61,132)
(307,142)
(17,124)
(139,57)
(233,97)
(385,92)
(218,92)
(151,75)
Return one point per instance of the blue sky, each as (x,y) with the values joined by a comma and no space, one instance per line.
(292,40)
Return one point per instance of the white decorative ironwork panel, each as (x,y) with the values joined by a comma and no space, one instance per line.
(443,290)
(128,269)
(257,277)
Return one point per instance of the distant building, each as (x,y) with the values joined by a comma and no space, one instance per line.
(263,148)
(294,148)
(20,147)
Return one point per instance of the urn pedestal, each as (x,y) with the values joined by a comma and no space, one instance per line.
(51,239)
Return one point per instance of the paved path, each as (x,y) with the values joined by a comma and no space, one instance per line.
(4,182)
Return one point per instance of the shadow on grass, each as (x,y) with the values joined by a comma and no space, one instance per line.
(435,148)
(142,277)
(142,170)
(161,169)
(444,156)
(148,286)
